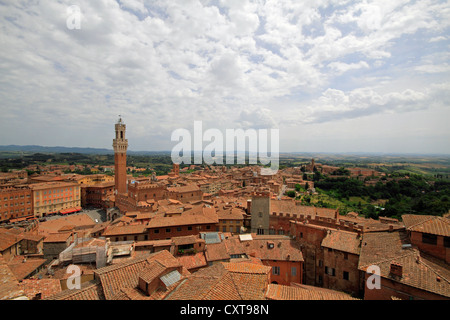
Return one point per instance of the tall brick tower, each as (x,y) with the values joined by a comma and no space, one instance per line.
(120,145)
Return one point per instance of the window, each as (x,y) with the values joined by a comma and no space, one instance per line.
(260,214)
(301,235)
(294,271)
(168,230)
(429,238)
(447,242)
(276,271)
(156,231)
(345,275)
(179,229)
(260,231)
(208,227)
(189,228)
(330,271)
(320,263)
(345,256)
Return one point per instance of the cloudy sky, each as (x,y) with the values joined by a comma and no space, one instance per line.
(332,76)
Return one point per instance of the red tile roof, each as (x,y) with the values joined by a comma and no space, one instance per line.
(216,252)
(380,246)
(123,275)
(181,220)
(46,287)
(22,267)
(118,230)
(193,261)
(8,239)
(153,270)
(126,274)
(427,224)
(420,271)
(283,249)
(303,292)
(224,283)
(342,241)
(9,285)
(245,267)
(57,237)
(91,290)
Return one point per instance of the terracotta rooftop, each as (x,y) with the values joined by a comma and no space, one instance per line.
(153,270)
(342,241)
(193,261)
(184,240)
(427,224)
(235,246)
(123,275)
(267,248)
(8,238)
(52,184)
(119,230)
(381,246)
(181,220)
(45,287)
(184,189)
(230,213)
(165,258)
(245,267)
(57,237)
(90,290)
(52,226)
(219,283)
(22,267)
(9,285)
(303,292)
(216,252)
(419,271)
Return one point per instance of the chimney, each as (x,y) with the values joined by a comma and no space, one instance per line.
(391,228)
(396,269)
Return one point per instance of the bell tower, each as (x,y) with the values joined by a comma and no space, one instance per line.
(120,145)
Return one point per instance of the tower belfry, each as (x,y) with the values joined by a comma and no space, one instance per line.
(120,145)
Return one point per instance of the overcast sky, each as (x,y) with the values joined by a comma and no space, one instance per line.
(332,76)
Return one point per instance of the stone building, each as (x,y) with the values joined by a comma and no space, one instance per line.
(15,202)
(260,212)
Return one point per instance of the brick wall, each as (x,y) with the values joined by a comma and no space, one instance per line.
(341,262)
(285,276)
(437,250)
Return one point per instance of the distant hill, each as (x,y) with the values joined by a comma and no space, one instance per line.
(42,149)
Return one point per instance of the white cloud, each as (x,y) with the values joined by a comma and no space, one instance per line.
(164,64)
(135,5)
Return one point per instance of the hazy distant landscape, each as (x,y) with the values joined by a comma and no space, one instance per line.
(18,157)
